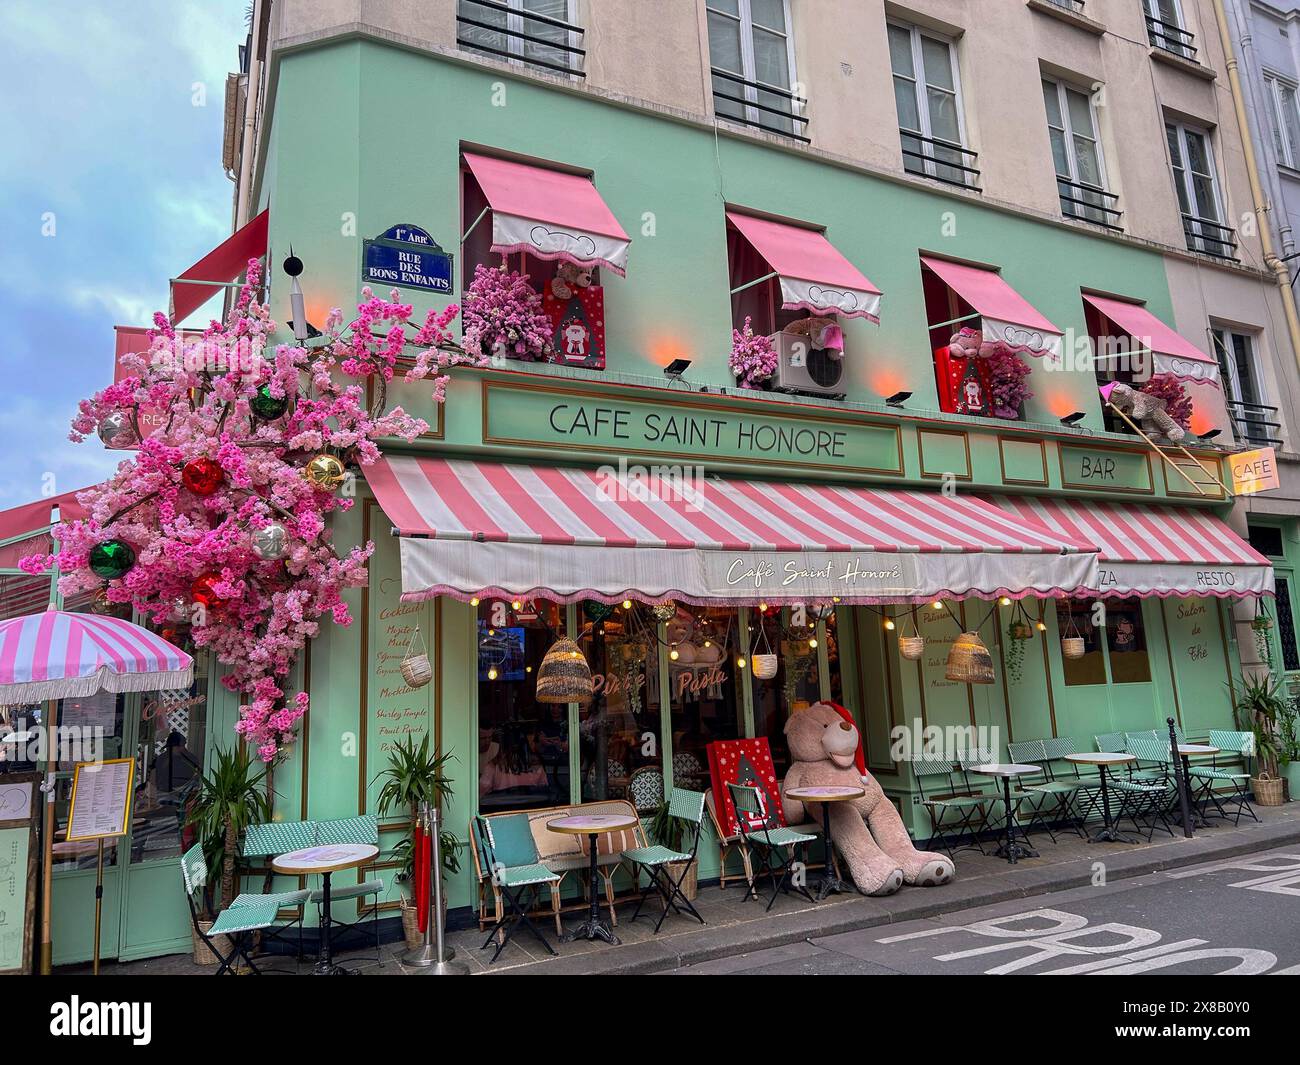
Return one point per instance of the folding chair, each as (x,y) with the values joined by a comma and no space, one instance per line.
(248,913)
(687,806)
(1085,797)
(777,846)
(971,810)
(506,842)
(1151,793)
(266,841)
(363,829)
(1053,796)
(1241,744)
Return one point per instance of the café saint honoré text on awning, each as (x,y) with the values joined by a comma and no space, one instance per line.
(479,528)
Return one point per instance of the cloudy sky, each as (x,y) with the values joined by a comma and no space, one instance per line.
(110,183)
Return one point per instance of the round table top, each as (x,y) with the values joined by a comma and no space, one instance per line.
(328,858)
(1005,769)
(590,824)
(1198,748)
(827,793)
(1101,758)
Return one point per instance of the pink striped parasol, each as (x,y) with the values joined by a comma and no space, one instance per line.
(59,655)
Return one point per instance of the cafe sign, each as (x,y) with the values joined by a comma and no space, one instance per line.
(1254,471)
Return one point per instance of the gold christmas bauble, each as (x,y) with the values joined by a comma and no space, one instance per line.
(325,472)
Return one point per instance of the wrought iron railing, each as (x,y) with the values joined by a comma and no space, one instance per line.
(1089,203)
(940,159)
(531,45)
(759,105)
(1255,423)
(1170,38)
(1210,237)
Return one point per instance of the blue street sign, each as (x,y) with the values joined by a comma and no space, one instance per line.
(408,257)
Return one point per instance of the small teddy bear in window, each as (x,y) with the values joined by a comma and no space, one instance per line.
(569,276)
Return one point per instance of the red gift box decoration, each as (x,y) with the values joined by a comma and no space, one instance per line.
(577,326)
(965,383)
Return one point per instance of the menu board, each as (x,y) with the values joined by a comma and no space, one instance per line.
(18,852)
(101,799)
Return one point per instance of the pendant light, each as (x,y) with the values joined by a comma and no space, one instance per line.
(564,676)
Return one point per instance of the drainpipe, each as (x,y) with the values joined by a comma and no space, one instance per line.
(248,137)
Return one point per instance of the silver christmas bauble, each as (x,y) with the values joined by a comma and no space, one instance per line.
(271,542)
(116,430)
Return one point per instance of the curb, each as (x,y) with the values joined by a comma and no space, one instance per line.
(709,944)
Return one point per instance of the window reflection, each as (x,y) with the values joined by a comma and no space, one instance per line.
(704,696)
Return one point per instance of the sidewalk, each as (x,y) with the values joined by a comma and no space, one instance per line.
(737,927)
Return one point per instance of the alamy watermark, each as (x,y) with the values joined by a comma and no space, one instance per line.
(641,484)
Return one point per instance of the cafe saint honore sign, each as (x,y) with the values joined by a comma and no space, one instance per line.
(406,256)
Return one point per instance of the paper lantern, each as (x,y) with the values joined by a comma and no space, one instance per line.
(324,472)
(266,406)
(202,476)
(116,430)
(564,676)
(969,660)
(111,559)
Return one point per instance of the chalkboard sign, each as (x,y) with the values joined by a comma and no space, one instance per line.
(18,881)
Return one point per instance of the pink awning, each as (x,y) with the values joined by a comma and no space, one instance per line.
(222,265)
(549,213)
(31,518)
(814,275)
(1171,353)
(482,528)
(1007,316)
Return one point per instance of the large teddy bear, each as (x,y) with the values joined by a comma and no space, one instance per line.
(868,832)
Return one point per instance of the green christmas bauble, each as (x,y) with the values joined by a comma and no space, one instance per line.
(266,406)
(111,559)
(596,611)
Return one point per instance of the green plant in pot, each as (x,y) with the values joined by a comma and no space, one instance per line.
(1288,734)
(676,834)
(416,774)
(1260,708)
(1019,632)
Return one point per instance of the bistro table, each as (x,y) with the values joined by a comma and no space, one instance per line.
(1185,751)
(325,860)
(1103,760)
(827,794)
(591,826)
(1006,772)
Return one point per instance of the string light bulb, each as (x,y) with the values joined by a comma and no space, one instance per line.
(740,662)
(812,641)
(762,608)
(889,624)
(627,604)
(1042,627)
(515,604)
(673,653)
(1004,601)
(936,605)
(474,601)
(492,673)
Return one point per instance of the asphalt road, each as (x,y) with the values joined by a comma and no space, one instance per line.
(1236,917)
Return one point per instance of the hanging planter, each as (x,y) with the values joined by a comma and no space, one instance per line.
(564,676)
(969,660)
(1014,650)
(1072,647)
(416,670)
(765,662)
(912,647)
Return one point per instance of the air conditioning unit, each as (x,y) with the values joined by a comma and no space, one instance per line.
(807,371)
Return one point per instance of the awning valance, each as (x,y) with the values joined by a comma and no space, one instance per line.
(1007,317)
(1152,550)
(814,276)
(482,528)
(221,266)
(549,213)
(1170,353)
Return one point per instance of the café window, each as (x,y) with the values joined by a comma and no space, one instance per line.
(1114,651)
(755,289)
(703,692)
(791,634)
(523,745)
(962,377)
(1118,357)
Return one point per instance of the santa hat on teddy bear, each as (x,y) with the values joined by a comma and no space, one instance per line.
(859,758)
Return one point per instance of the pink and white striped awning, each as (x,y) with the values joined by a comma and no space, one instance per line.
(481,528)
(1151,549)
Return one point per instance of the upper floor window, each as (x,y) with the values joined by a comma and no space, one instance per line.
(927,93)
(1076,153)
(1284,118)
(1192,160)
(1167,29)
(538,32)
(1252,420)
(751,57)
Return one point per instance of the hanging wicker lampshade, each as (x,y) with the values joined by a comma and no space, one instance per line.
(564,676)
(911,647)
(1072,647)
(969,660)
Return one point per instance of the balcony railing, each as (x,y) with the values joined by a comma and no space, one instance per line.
(1069,5)
(1210,237)
(940,159)
(531,44)
(1255,423)
(1173,39)
(759,105)
(1089,203)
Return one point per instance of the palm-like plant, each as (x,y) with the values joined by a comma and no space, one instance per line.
(1259,708)
(416,775)
(229,799)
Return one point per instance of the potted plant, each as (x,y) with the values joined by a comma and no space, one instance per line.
(1288,734)
(753,358)
(415,775)
(228,799)
(1019,631)
(1259,709)
(670,832)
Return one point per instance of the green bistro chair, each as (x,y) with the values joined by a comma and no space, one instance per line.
(269,839)
(1085,799)
(510,855)
(776,847)
(971,811)
(1150,795)
(653,861)
(248,913)
(1053,797)
(1240,744)
(362,829)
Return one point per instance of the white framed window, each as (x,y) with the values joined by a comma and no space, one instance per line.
(1254,421)
(751,56)
(1191,159)
(1077,155)
(1283,117)
(927,94)
(1167,28)
(540,32)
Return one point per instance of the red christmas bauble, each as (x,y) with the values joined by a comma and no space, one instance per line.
(203,592)
(202,476)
